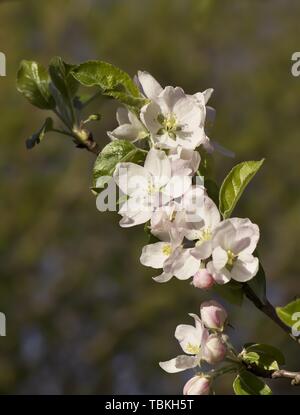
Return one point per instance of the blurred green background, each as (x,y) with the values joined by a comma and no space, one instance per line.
(83,316)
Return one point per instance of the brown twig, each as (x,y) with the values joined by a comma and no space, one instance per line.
(295,376)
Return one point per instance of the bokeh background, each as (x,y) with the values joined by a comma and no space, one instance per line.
(83,316)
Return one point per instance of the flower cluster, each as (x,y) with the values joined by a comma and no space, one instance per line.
(168,196)
(203,342)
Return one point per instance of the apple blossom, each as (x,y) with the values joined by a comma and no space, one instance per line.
(197,385)
(147,187)
(213,315)
(171,257)
(174,119)
(202,230)
(233,244)
(191,340)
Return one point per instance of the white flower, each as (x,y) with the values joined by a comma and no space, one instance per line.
(234,242)
(130,127)
(171,257)
(174,119)
(148,187)
(202,230)
(191,340)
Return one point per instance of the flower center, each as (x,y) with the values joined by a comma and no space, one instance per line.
(167,249)
(231,258)
(169,125)
(151,189)
(192,348)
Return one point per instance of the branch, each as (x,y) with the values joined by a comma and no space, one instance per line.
(295,376)
(268,309)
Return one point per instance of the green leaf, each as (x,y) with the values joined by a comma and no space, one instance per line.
(264,357)
(112,154)
(39,136)
(258,284)
(33,82)
(231,292)
(234,185)
(247,383)
(113,81)
(287,314)
(62,78)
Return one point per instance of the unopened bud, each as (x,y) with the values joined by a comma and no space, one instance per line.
(214,349)
(213,315)
(203,279)
(198,385)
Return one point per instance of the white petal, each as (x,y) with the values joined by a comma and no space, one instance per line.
(189,338)
(149,114)
(246,229)
(134,219)
(219,257)
(179,363)
(188,113)
(131,177)
(122,116)
(150,87)
(245,268)
(124,131)
(168,98)
(153,255)
(190,139)
(164,277)
(210,213)
(203,250)
(177,186)
(134,212)
(207,94)
(185,265)
(158,164)
(224,235)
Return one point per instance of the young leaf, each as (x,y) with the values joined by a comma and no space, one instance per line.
(38,137)
(234,185)
(264,357)
(112,154)
(63,80)
(113,81)
(248,384)
(33,82)
(288,313)
(231,292)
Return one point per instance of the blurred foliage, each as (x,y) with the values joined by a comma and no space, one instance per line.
(83,316)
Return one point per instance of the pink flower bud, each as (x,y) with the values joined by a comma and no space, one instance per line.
(214,349)
(198,385)
(203,279)
(213,315)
